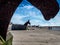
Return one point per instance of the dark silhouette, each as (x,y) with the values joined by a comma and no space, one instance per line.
(20,27)
(49,9)
(28,22)
(50,28)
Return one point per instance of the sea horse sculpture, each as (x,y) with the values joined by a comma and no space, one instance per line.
(20,27)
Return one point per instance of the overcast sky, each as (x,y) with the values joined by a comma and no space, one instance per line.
(26,11)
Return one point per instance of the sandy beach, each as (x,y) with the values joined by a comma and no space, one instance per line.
(36,37)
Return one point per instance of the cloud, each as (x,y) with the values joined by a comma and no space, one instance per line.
(27,7)
(35,15)
(38,22)
(17,19)
(34,22)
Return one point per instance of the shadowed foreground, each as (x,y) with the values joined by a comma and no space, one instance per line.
(36,37)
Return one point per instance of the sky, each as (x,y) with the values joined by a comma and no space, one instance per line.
(26,11)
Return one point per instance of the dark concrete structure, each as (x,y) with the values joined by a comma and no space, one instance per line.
(18,27)
(49,9)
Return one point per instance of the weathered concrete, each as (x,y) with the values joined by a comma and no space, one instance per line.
(18,27)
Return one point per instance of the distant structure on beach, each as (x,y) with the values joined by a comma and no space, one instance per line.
(51,27)
(19,26)
(54,28)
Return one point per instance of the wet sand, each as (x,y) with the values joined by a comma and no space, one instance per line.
(36,37)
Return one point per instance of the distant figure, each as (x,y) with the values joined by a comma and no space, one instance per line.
(20,27)
(50,28)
